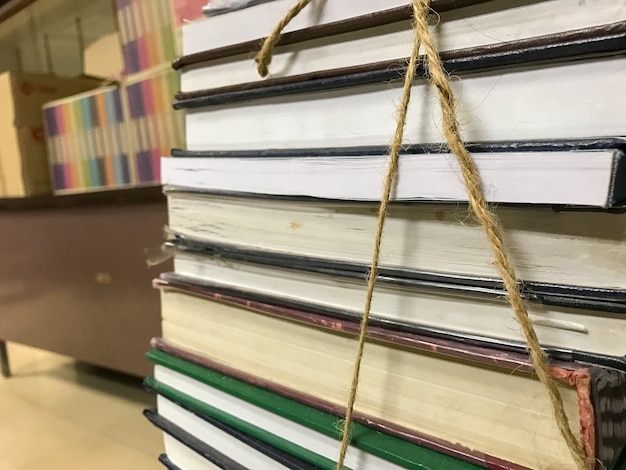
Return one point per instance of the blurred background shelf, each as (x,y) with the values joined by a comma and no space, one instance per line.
(49,36)
(73,275)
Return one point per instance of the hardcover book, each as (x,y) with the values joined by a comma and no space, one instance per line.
(570,321)
(485,31)
(441,240)
(548,173)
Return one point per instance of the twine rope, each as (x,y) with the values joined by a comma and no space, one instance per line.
(388,183)
(477,202)
(264,57)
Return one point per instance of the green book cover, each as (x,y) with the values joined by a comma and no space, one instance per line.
(382,445)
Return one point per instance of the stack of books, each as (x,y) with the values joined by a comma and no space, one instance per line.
(273,210)
(88,142)
(114,137)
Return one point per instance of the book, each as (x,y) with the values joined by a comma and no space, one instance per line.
(430,241)
(606,40)
(209,436)
(472,30)
(406,389)
(541,174)
(214,440)
(225,31)
(167,462)
(184,450)
(548,104)
(284,421)
(572,325)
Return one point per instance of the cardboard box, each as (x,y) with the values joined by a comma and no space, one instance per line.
(103,58)
(24,167)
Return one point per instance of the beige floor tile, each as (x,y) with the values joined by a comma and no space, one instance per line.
(30,433)
(57,414)
(97,452)
(133,432)
(80,396)
(4,465)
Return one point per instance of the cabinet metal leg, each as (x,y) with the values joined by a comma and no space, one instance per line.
(4,360)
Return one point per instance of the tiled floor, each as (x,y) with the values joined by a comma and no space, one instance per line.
(57,414)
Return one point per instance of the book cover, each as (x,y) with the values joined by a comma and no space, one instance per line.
(189,440)
(167,463)
(148,31)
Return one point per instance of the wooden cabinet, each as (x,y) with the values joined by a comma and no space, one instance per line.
(74,279)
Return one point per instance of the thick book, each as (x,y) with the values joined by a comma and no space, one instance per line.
(569,321)
(211,438)
(406,388)
(429,241)
(520,173)
(486,30)
(590,43)
(287,444)
(185,450)
(225,34)
(566,100)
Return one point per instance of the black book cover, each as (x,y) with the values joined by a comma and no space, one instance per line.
(167,463)
(206,451)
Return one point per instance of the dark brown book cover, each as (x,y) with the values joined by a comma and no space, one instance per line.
(568,45)
(601,392)
(344,26)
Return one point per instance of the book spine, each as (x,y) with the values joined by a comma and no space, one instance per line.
(108,175)
(154,126)
(147,31)
(120,152)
